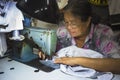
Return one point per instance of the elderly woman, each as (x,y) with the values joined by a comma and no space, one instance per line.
(89,35)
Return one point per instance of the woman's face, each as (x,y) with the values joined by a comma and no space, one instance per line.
(75,26)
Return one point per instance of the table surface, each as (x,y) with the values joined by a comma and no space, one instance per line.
(14,70)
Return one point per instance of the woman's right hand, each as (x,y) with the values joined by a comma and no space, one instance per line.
(41,55)
(72,61)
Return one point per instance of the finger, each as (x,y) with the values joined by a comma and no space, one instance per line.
(40,54)
(43,56)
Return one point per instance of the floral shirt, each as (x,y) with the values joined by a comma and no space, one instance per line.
(99,39)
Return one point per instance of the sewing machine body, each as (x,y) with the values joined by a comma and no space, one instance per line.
(44,38)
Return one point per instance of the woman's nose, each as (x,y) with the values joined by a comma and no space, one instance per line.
(69,26)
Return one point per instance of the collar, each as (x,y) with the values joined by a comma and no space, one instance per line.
(90,35)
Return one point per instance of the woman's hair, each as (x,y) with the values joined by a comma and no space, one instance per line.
(79,8)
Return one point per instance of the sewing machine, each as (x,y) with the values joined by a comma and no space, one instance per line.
(37,38)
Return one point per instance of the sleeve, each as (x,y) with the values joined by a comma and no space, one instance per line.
(105,43)
(63,38)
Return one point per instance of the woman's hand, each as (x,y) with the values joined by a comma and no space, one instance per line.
(66,60)
(41,55)
(99,64)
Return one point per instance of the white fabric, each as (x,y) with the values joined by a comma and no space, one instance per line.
(3,45)
(13,17)
(73,51)
(2,20)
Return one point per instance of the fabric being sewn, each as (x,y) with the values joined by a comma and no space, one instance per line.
(74,51)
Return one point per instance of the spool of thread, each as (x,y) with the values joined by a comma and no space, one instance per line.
(16,33)
(16,36)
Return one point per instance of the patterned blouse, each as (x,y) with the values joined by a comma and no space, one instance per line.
(99,39)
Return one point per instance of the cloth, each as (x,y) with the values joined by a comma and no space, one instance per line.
(98,39)
(73,51)
(13,17)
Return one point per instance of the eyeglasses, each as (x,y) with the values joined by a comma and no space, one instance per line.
(71,24)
